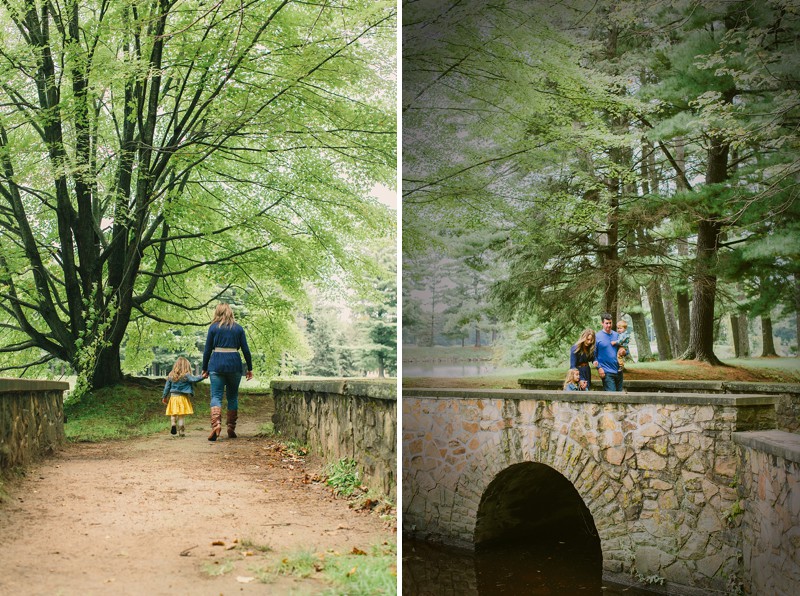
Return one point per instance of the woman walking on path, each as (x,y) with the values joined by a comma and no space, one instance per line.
(223,364)
(581,355)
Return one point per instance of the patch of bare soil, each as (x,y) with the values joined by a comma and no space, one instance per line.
(165,515)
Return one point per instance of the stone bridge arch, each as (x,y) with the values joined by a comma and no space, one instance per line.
(468,448)
(532,502)
(657,472)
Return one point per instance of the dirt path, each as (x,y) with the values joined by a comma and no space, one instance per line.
(142,517)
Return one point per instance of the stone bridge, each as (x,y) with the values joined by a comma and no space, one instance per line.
(671,485)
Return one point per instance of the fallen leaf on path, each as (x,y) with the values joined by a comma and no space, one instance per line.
(243,579)
(218,543)
(357,551)
(352,571)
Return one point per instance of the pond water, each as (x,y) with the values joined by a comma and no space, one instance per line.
(460,369)
(557,568)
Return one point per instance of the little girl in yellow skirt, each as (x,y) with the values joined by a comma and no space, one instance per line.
(179,388)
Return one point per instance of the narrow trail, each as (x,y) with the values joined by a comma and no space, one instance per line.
(142,517)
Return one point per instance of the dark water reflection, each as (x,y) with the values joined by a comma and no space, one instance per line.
(558,568)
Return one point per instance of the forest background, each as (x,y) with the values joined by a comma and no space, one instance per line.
(562,159)
(157,157)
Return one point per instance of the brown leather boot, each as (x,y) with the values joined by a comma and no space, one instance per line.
(231,422)
(216,423)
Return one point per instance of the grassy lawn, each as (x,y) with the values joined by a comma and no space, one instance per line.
(775,370)
(134,409)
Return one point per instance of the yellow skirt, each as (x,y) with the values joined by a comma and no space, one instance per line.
(179,405)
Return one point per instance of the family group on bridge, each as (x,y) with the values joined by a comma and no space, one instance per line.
(222,364)
(605,351)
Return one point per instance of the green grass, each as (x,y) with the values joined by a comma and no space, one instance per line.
(218,568)
(342,476)
(356,574)
(135,409)
(364,575)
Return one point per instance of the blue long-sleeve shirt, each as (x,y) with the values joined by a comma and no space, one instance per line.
(184,385)
(226,337)
(605,353)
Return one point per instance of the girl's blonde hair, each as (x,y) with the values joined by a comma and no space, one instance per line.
(180,370)
(571,374)
(584,344)
(223,315)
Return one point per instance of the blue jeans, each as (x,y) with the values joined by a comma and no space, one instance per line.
(222,382)
(612,382)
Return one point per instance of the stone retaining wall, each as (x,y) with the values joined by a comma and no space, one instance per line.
(344,418)
(31,420)
(787,404)
(657,471)
(769,485)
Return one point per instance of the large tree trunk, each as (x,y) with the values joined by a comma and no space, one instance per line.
(684,319)
(768,342)
(639,324)
(797,314)
(737,350)
(701,337)
(669,313)
(659,320)
(744,336)
(107,370)
(682,296)
(709,229)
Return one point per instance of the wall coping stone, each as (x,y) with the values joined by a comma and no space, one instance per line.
(9,385)
(678,386)
(773,442)
(595,397)
(373,388)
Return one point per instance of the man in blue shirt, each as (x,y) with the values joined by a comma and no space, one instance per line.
(606,356)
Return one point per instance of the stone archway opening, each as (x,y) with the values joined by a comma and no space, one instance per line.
(532,521)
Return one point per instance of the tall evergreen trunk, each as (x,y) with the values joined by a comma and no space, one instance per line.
(669,313)
(640,330)
(659,320)
(709,230)
(797,314)
(477,337)
(744,336)
(381,367)
(768,342)
(737,349)
(684,318)
(682,293)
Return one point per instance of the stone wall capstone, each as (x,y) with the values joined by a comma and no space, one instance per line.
(31,420)
(344,418)
(787,394)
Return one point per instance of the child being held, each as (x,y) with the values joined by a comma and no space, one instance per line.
(573,382)
(622,342)
(179,387)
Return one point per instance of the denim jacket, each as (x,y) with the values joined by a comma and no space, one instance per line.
(184,385)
